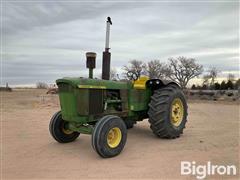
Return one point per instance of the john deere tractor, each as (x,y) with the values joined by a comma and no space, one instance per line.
(106,109)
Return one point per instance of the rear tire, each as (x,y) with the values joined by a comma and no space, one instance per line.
(59,131)
(109,136)
(168,112)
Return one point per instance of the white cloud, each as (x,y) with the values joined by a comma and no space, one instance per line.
(45,41)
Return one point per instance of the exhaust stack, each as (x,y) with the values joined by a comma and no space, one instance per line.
(106,54)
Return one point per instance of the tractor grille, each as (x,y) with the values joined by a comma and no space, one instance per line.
(89,101)
(95,101)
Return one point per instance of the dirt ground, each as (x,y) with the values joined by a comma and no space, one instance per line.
(29,152)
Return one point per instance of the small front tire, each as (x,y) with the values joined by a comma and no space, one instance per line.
(109,136)
(58,129)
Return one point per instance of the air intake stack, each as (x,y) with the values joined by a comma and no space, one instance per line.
(106,54)
(91,62)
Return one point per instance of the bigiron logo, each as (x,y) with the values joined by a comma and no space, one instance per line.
(202,171)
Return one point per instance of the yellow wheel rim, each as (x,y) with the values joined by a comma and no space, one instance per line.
(114,137)
(66,131)
(177,112)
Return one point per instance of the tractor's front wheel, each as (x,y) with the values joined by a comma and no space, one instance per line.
(109,136)
(168,112)
(59,129)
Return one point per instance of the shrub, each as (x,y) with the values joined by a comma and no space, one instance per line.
(229,84)
(41,85)
(223,85)
(193,87)
(217,86)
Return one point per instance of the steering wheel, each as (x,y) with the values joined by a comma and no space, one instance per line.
(132,75)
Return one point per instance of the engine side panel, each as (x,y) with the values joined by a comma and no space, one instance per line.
(139,99)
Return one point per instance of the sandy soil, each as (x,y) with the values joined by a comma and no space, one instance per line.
(29,152)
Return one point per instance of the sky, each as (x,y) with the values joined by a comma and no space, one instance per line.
(45,40)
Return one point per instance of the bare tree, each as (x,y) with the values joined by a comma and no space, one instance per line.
(113,74)
(210,77)
(206,79)
(156,69)
(41,85)
(183,69)
(135,68)
(213,72)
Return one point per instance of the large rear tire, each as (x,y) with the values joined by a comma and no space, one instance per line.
(109,136)
(168,112)
(59,131)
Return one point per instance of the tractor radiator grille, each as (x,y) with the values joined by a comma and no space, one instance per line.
(95,101)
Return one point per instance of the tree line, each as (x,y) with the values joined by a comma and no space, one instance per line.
(223,85)
(209,81)
(180,69)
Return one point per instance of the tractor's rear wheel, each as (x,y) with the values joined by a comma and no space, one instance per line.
(59,129)
(109,136)
(168,112)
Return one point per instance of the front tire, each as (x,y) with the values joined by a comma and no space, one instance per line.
(58,129)
(109,136)
(168,112)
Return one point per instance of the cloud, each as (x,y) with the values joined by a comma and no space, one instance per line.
(46,41)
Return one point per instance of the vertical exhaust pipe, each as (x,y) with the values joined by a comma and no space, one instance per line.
(106,54)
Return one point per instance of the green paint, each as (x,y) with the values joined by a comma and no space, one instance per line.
(80,128)
(138,99)
(75,82)
(76,107)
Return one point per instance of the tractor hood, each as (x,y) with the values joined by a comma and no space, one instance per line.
(86,83)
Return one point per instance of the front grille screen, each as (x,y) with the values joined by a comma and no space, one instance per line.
(95,101)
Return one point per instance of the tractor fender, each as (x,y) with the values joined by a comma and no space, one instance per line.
(159,83)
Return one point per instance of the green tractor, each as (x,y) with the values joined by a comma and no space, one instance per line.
(106,109)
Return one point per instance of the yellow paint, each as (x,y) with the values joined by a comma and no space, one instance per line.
(141,82)
(177,112)
(114,137)
(91,87)
(66,131)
